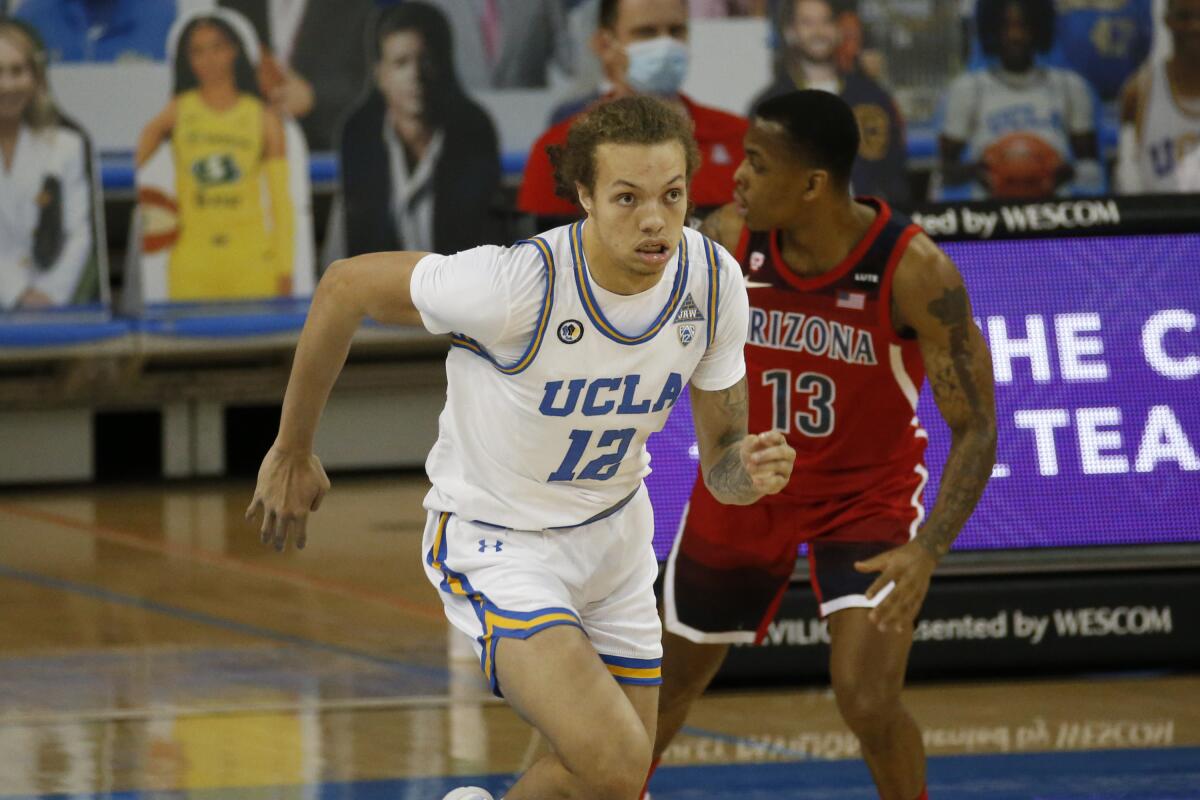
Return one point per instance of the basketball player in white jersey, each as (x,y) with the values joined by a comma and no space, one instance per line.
(1160,111)
(568,351)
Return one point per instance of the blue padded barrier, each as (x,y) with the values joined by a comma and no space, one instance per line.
(224,320)
(60,327)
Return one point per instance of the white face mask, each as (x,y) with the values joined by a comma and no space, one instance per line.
(657,66)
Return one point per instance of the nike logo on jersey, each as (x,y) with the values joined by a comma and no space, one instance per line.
(601,396)
(802,333)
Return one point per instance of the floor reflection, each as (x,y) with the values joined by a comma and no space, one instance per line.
(151,648)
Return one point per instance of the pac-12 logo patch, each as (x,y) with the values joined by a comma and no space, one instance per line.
(686,334)
(757,260)
(570,331)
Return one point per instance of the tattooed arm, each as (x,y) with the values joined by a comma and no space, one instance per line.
(929,298)
(738,467)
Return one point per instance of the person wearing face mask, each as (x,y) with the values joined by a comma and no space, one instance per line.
(642,47)
(811,36)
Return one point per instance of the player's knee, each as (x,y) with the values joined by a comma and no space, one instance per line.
(616,768)
(867,707)
(625,785)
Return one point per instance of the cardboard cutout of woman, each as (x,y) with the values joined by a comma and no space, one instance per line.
(213,173)
(48,253)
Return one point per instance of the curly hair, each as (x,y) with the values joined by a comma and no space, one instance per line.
(638,119)
(1038,14)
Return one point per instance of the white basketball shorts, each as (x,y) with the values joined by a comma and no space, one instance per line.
(499,582)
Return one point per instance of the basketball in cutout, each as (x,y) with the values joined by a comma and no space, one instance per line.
(159,218)
(1021,166)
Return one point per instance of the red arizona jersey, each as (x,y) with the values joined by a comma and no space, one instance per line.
(824,365)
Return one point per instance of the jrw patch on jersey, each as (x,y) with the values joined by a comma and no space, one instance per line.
(688,311)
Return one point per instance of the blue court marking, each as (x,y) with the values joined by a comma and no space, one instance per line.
(1170,774)
(107,595)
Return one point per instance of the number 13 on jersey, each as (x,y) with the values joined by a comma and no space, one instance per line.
(817,418)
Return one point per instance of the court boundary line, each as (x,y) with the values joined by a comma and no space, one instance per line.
(198,554)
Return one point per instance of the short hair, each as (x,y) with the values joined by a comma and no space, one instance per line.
(787,11)
(637,119)
(1039,16)
(609,9)
(819,125)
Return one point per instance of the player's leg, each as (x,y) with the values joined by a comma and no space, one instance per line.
(688,669)
(600,733)
(867,668)
(719,588)
(512,593)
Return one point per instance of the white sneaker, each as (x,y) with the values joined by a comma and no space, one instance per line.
(469,793)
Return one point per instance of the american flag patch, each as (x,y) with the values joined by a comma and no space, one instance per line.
(852,300)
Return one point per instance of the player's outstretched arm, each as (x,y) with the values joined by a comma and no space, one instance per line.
(929,298)
(738,467)
(291,481)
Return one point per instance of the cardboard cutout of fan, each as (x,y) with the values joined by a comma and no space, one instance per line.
(224,208)
(1022,165)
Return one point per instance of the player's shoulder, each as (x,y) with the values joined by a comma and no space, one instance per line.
(512,260)
(708,253)
(923,268)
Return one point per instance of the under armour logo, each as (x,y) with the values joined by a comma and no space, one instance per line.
(483,545)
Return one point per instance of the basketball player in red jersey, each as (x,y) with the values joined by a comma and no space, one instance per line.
(851,304)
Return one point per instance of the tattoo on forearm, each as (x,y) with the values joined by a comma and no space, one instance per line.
(728,478)
(953,310)
(963,479)
(956,386)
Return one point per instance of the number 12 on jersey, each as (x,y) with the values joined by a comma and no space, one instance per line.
(819,390)
(603,466)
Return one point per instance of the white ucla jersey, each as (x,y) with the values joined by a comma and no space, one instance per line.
(557,436)
(1168,133)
